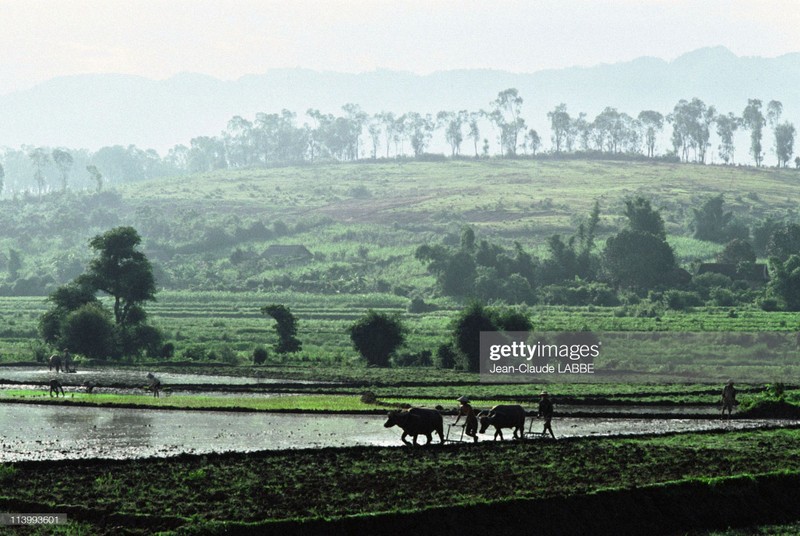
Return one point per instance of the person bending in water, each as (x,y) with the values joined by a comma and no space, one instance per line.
(55,387)
(154,384)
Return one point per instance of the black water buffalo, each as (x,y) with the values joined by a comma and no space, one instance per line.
(417,421)
(504,416)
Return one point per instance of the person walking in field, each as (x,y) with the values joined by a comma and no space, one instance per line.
(728,398)
(465,410)
(546,412)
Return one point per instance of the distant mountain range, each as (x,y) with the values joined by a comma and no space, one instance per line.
(91,111)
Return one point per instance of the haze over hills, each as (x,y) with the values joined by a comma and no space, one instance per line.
(95,110)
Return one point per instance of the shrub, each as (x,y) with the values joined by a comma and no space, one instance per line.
(445,356)
(168,351)
(376,336)
(260,356)
(681,300)
(723,297)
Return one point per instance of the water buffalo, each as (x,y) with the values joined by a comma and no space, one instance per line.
(504,416)
(417,421)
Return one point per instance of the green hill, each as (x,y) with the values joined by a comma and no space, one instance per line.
(362,222)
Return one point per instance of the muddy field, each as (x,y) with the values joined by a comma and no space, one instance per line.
(58,432)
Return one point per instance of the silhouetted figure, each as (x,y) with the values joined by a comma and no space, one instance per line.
(546,412)
(154,383)
(728,398)
(55,387)
(465,410)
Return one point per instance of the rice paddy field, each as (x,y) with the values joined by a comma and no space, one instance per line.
(362,223)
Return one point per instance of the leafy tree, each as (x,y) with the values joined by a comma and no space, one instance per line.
(453,123)
(642,217)
(467,327)
(2,178)
(753,120)
(784,241)
(533,141)
(14,264)
(784,143)
(727,125)
(653,122)
(737,251)
(638,259)
(784,282)
(376,336)
(356,120)
(88,330)
(691,121)
(239,142)
(420,130)
(774,111)
(40,160)
(285,327)
(474,130)
(374,131)
(96,176)
(560,123)
(505,114)
(121,271)
(63,161)
(711,221)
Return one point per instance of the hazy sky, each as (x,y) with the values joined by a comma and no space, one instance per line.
(41,39)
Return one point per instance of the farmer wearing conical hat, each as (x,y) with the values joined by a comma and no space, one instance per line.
(471,426)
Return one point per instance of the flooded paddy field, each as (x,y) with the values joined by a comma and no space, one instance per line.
(130,377)
(46,432)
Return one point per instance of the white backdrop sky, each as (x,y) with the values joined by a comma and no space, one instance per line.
(42,39)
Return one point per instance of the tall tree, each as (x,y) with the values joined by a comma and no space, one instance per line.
(691,122)
(96,176)
(533,141)
(285,327)
(63,161)
(727,125)
(452,123)
(784,142)
(121,271)
(356,120)
(40,160)
(474,130)
(560,124)
(2,178)
(753,120)
(420,129)
(505,113)
(652,122)
(374,131)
